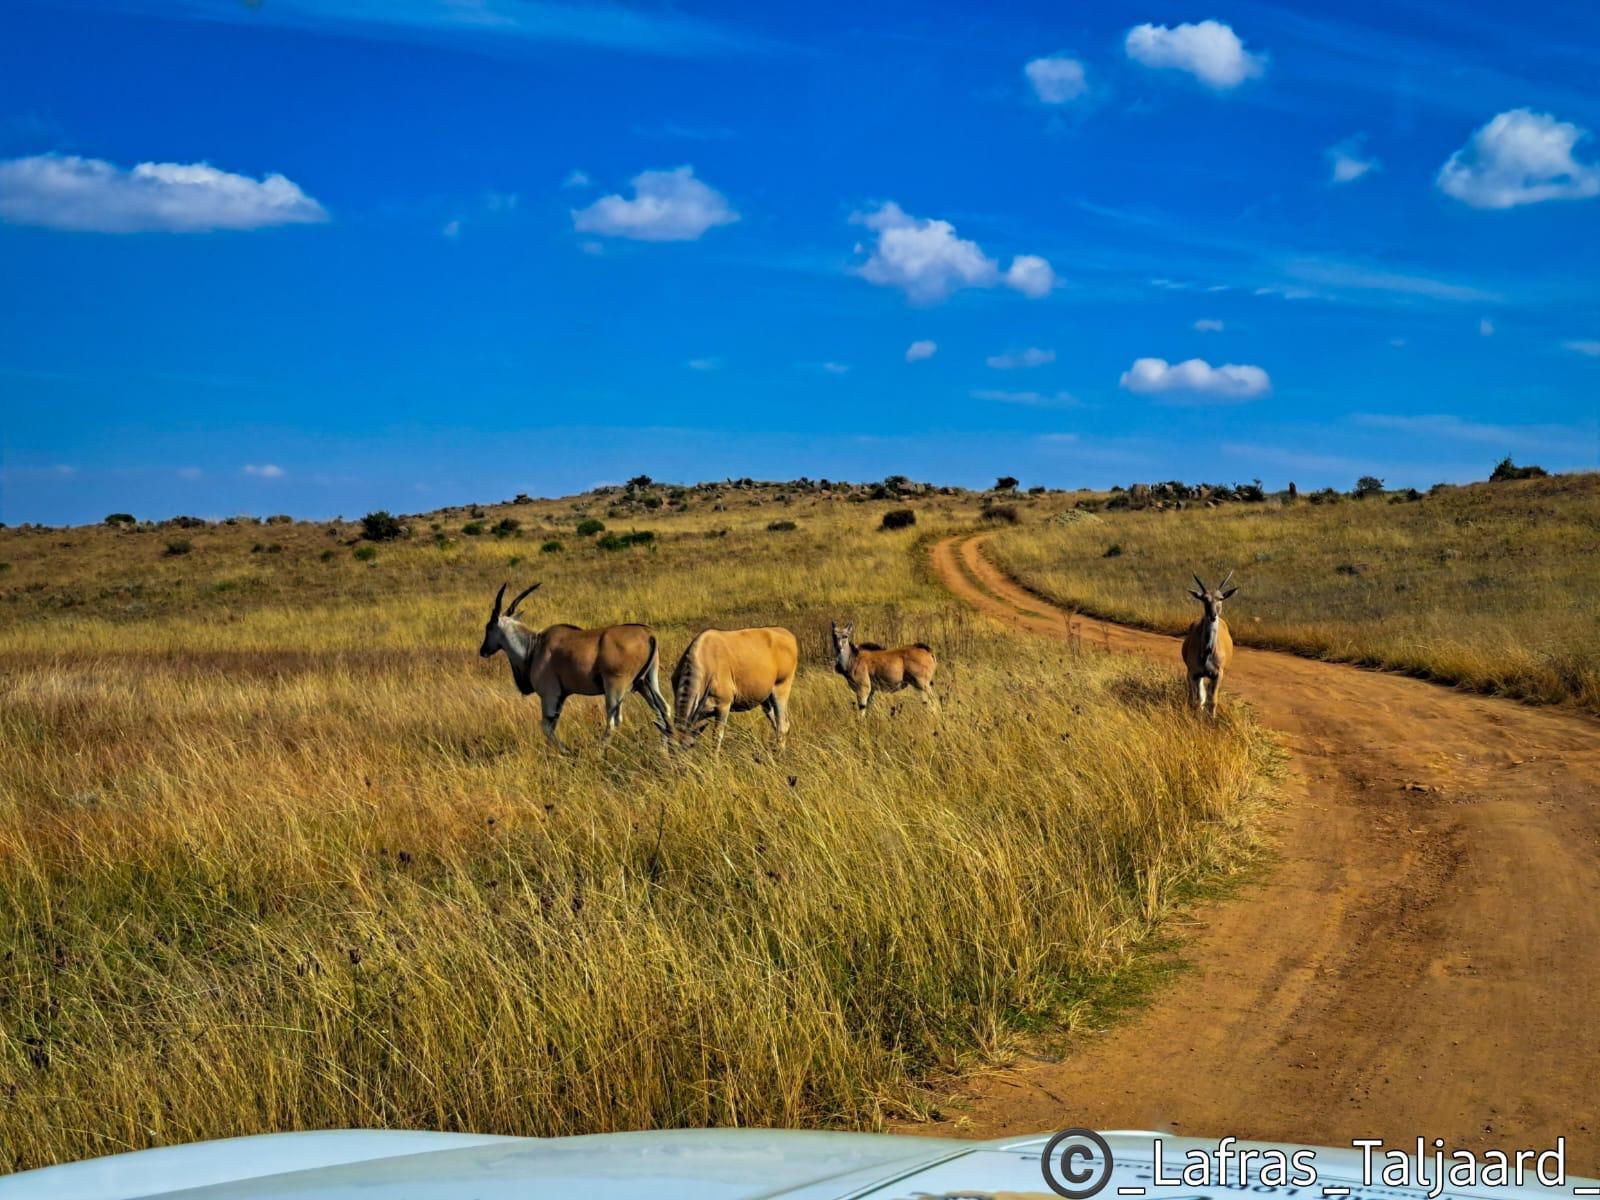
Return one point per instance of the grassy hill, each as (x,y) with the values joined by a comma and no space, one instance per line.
(1492,586)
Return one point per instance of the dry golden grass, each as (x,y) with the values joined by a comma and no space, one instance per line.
(1491,586)
(279,851)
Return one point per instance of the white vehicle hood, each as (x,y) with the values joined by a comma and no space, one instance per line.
(731,1164)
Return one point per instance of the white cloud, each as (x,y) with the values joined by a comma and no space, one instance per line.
(1347,161)
(927,261)
(1485,327)
(1208,325)
(1447,425)
(264,470)
(92,196)
(1155,376)
(1029,399)
(920,350)
(452,229)
(834,368)
(1056,79)
(667,206)
(576,179)
(1013,360)
(1031,275)
(1520,157)
(704,364)
(923,258)
(1210,51)
(1584,346)
(189,472)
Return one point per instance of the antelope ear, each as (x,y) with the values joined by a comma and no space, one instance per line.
(1197,595)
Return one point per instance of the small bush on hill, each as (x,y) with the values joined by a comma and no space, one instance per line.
(551,547)
(898,518)
(473,529)
(1003,514)
(120,519)
(365,552)
(505,527)
(178,546)
(380,526)
(781,526)
(1368,485)
(1507,470)
(589,526)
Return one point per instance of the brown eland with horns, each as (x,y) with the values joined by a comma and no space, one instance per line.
(734,670)
(869,668)
(1207,647)
(564,660)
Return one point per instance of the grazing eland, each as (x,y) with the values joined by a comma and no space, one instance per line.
(1208,647)
(869,668)
(734,670)
(564,660)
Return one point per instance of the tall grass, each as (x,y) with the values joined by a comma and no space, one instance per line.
(267,865)
(1492,586)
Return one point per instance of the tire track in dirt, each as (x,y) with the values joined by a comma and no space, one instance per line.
(1422,959)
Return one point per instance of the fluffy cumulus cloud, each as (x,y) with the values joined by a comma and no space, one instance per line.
(1056,79)
(1031,275)
(1196,377)
(920,350)
(666,206)
(1520,157)
(1208,325)
(90,195)
(1209,50)
(1348,161)
(1014,360)
(927,261)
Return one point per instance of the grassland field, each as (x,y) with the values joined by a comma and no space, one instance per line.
(279,851)
(1492,586)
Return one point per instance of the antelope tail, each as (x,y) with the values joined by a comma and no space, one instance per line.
(646,682)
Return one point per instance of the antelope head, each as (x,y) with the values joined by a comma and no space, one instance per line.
(494,633)
(841,643)
(1212,598)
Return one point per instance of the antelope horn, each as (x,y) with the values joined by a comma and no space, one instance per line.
(498,597)
(521,596)
(1225,580)
(1200,583)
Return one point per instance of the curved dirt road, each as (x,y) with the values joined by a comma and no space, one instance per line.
(1423,959)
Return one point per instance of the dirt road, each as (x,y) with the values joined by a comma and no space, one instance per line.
(1423,960)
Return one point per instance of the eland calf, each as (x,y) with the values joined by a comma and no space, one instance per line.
(734,670)
(564,660)
(1207,647)
(869,668)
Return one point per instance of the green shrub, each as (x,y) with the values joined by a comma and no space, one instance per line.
(178,546)
(1005,514)
(505,527)
(1507,470)
(366,553)
(551,547)
(781,526)
(326,556)
(898,518)
(120,519)
(589,526)
(1113,551)
(381,527)
(473,529)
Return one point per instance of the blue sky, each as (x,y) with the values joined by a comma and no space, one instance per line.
(323,256)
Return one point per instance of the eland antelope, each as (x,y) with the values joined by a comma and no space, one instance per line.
(734,670)
(1207,647)
(869,668)
(564,660)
